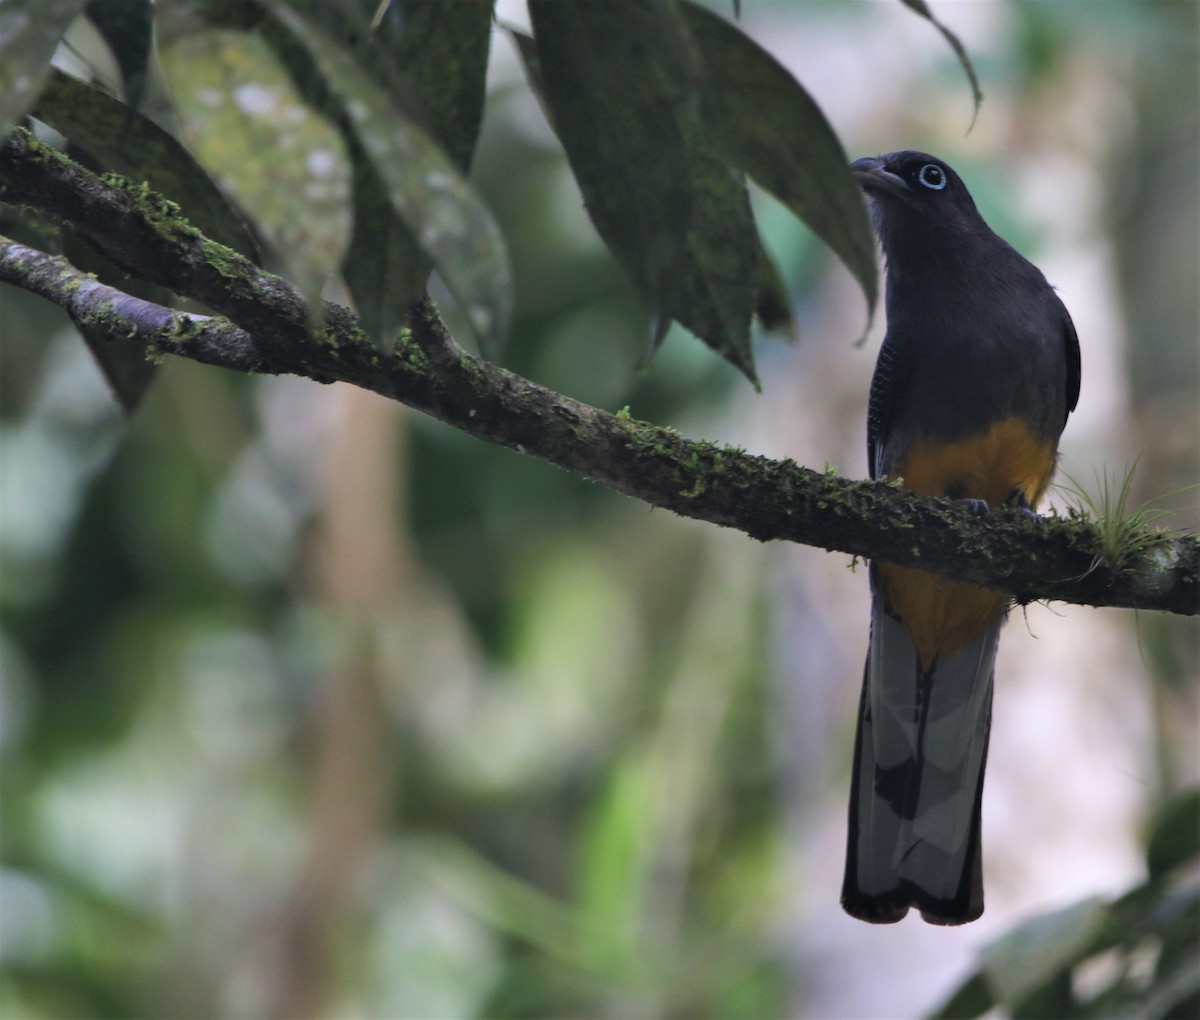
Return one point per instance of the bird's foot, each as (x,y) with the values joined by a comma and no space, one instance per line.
(978,507)
(1020,501)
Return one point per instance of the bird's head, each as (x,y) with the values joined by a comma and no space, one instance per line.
(915,194)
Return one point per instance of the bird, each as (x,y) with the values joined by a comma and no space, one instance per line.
(978,372)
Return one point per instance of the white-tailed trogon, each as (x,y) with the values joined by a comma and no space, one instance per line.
(974,382)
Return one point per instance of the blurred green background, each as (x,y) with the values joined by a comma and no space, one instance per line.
(314,706)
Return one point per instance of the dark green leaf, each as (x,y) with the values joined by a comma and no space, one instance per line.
(972,998)
(441,55)
(766,124)
(613,95)
(715,289)
(125,368)
(1052,998)
(1032,954)
(127,27)
(1175,992)
(922,8)
(384,268)
(422,185)
(437,54)
(1175,838)
(527,48)
(33,227)
(30,31)
(774,304)
(618,82)
(236,103)
(121,139)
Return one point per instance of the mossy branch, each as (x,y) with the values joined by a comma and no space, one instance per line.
(261,327)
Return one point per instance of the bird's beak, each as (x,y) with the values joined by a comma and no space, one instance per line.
(872,175)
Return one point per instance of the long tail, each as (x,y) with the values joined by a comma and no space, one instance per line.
(918,779)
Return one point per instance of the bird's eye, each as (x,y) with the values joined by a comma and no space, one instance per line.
(932,176)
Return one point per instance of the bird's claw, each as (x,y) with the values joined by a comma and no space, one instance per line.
(1020,501)
(978,507)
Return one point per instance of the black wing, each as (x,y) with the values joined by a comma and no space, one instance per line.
(887,385)
(1071,348)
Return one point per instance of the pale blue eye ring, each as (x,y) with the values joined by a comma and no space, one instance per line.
(932,176)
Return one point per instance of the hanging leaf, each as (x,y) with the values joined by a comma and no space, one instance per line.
(282,163)
(715,284)
(971,999)
(922,8)
(423,187)
(385,268)
(414,44)
(613,98)
(617,79)
(773,305)
(763,122)
(127,27)
(30,31)
(439,51)
(121,139)
(124,367)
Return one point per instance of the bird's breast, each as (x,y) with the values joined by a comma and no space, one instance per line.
(1006,459)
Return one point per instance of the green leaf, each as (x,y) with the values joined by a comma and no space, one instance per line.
(764,122)
(922,8)
(121,139)
(283,163)
(773,305)
(30,31)
(612,96)
(423,187)
(440,52)
(124,366)
(972,998)
(127,27)
(1175,838)
(613,869)
(715,286)
(437,54)
(384,267)
(32,227)
(527,50)
(1032,954)
(1052,998)
(1175,991)
(618,82)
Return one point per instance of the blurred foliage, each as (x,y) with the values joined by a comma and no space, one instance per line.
(310,706)
(1138,955)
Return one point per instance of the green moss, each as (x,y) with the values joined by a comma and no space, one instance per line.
(408,352)
(231,266)
(341,335)
(45,154)
(182,329)
(163,215)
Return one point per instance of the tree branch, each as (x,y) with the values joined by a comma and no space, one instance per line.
(262,327)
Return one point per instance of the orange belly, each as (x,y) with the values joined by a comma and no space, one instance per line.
(941,615)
